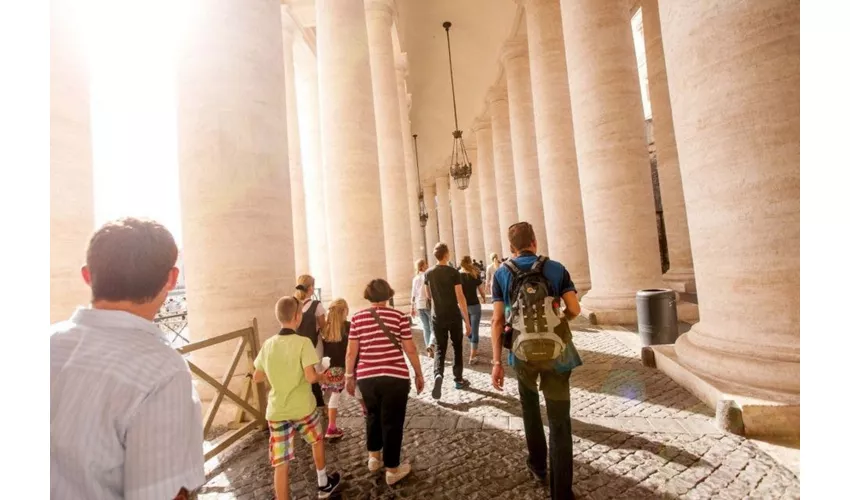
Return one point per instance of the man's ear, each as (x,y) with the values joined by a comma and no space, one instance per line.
(86,274)
(172,279)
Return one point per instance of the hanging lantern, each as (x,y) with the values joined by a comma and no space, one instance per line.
(460,167)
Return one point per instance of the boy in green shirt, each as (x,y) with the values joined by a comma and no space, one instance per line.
(286,362)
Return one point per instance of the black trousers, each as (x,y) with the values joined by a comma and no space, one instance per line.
(317,393)
(556,390)
(386,403)
(442,332)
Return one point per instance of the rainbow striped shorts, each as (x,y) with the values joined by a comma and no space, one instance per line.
(282,440)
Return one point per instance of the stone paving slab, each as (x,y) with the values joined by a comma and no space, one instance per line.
(636,434)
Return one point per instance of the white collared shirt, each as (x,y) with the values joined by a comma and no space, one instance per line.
(125,420)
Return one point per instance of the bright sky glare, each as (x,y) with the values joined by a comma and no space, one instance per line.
(133,110)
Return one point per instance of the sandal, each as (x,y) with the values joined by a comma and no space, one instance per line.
(374,464)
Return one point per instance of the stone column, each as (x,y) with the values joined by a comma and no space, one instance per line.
(417,236)
(296,175)
(503,162)
(487,187)
(475,234)
(431,234)
(234,180)
(350,150)
(556,152)
(461,236)
(316,214)
(616,185)
(524,139)
(71,181)
(734,74)
(680,275)
(444,215)
(394,199)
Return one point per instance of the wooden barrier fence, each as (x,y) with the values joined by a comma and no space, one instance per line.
(249,345)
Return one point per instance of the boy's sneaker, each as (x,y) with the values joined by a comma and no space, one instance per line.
(461,384)
(333,482)
(438,387)
(334,433)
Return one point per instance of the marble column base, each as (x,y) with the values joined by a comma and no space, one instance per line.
(756,370)
(609,309)
(738,409)
(621,309)
(680,280)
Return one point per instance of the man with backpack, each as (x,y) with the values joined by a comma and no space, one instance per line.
(529,288)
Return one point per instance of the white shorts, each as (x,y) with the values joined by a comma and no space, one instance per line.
(335,397)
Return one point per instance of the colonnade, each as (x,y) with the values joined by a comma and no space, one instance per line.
(724,91)
(561,145)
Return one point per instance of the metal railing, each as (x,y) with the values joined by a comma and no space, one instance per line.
(173,319)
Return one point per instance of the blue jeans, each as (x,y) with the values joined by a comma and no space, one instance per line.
(425,319)
(475,320)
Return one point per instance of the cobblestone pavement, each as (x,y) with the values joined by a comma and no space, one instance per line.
(636,434)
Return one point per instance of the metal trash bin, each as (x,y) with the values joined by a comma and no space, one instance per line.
(658,322)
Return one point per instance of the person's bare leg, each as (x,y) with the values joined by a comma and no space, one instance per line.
(319,454)
(281,481)
(332,418)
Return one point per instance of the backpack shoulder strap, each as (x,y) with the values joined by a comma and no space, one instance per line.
(313,306)
(512,267)
(516,275)
(539,263)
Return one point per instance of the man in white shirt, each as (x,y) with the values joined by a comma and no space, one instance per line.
(125,421)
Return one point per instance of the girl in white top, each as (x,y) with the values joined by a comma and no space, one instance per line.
(495,262)
(419,305)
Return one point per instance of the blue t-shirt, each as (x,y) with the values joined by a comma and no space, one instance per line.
(554,272)
(559,284)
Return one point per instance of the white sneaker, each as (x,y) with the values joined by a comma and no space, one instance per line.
(403,471)
(374,464)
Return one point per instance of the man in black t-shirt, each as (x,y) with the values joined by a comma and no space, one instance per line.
(448,313)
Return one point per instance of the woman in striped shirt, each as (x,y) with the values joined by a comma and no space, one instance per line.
(381,336)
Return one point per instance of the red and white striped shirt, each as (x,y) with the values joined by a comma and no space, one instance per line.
(378,356)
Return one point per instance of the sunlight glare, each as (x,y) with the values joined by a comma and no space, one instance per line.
(132,49)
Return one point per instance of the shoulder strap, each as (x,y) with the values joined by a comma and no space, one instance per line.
(539,263)
(512,267)
(516,274)
(313,306)
(384,329)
